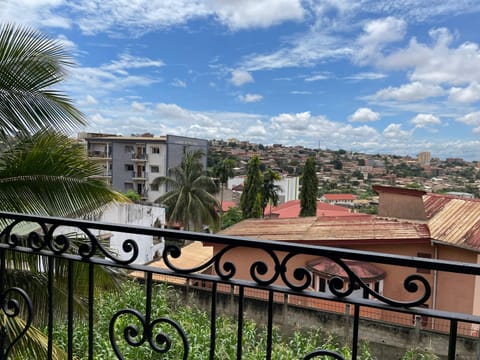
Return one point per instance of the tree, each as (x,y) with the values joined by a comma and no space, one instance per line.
(309,189)
(223,171)
(270,190)
(191,201)
(251,199)
(41,170)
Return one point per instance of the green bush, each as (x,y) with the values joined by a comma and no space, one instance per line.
(166,302)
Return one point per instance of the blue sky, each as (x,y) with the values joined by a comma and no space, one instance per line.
(375,76)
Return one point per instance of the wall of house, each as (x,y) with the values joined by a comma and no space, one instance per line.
(456,292)
(401,206)
(447,298)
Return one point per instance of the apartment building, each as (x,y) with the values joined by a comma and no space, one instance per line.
(134,162)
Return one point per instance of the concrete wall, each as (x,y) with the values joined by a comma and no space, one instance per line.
(386,340)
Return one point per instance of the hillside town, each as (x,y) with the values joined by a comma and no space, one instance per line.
(342,171)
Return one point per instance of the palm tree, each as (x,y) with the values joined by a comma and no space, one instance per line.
(223,171)
(270,189)
(41,170)
(190,202)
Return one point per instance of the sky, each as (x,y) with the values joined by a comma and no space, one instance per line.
(373,76)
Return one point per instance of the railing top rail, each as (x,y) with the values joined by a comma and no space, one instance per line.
(293,248)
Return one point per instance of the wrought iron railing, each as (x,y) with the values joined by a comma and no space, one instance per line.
(277,273)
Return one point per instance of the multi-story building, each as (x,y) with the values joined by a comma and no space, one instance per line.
(134,162)
(424,158)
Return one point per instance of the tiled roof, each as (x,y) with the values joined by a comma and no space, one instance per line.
(454,220)
(334,231)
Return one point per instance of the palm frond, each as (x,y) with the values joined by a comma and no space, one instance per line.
(49,174)
(30,63)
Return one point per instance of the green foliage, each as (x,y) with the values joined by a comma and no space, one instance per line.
(196,323)
(417,354)
(133,195)
(230,217)
(309,189)
(191,200)
(270,190)
(251,200)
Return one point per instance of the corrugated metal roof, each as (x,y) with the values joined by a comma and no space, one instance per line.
(332,230)
(454,220)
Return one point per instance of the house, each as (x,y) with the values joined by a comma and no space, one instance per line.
(410,223)
(340,199)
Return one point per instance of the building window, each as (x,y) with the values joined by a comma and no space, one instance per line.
(426,256)
(128,186)
(154,187)
(154,169)
(155,150)
(129,149)
(128,167)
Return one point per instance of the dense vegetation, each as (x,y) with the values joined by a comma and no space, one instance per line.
(196,324)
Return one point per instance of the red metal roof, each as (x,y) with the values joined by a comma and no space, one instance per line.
(454,220)
(291,209)
(333,230)
(329,268)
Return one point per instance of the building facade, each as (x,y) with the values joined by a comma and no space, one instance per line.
(134,162)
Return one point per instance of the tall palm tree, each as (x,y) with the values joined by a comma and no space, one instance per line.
(270,189)
(42,171)
(190,202)
(223,171)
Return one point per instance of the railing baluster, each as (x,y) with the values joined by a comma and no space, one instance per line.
(356,323)
(51,264)
(91,270)
(452,340)
(270,325)
(70,311)
(240,322)
(213,317)
(148,301)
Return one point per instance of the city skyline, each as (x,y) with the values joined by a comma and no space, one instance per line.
(389,77)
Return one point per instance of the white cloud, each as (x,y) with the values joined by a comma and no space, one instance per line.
(256,13)
(250,98)
(472,118)
(317,77)
(128,61)
(394,131)
(364,115)
(302,50)
(376,35)
(179,83)
(300,92)
(366,76)
(439,63)
(425,120)
(138,106)
(241,77)
(90,100)
(469,94)
(409,92)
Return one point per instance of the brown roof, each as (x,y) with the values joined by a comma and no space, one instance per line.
(332,231)
(454,220)
(328,268)
(193,255)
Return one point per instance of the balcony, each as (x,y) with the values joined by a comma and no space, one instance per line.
(276,290)
(99,155)
(139,175)
(139,157)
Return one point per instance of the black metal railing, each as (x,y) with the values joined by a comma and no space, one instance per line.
(276,275)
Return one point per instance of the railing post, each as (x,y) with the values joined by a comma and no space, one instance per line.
(3,339)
